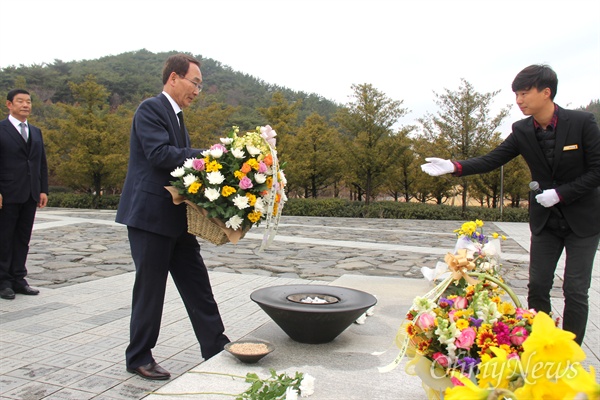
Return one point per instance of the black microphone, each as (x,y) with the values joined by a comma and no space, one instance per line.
(535,187)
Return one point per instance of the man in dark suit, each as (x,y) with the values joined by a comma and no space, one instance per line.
(157,228)
(23,187)
(562,149)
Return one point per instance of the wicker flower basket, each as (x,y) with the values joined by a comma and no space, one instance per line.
(209,229)
(203,227)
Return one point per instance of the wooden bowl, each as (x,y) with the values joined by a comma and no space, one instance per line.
(249,351)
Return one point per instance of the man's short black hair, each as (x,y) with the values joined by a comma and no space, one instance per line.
(537,76)
(11,95)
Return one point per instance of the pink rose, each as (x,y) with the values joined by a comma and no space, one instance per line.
(262,167)
(441,359)
(465,339)
(198,164)
(245,183)
(518,335)
(425,321)
(460,303)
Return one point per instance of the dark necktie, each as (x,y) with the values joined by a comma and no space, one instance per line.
(23,131)
(181,128)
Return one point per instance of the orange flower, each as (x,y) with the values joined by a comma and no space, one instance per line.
(268,160)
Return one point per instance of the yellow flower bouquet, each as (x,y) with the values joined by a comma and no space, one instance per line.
(235,184)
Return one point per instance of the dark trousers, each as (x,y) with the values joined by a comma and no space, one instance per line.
(546,249)
(16,224)
(154,257)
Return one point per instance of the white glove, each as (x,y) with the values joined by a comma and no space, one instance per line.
(548,198)
(437,166)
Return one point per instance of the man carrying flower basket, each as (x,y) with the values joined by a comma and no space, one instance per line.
(157,228)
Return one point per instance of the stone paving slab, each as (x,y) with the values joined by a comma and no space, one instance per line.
(69,342)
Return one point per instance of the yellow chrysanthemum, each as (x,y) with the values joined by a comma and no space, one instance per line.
(213,166)
(239,174)
(269,181)
(194,187)
(227,191)
(253,163)
(251,199)
(254,216)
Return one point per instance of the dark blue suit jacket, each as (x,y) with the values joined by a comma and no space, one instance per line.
(155,151)
(575,173)
(23,166)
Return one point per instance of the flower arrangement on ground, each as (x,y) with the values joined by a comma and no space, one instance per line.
(237,181)
(470,330)
(548,368)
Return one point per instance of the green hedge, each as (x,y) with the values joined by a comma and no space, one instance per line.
(331,207)
(396,210)
(74,200)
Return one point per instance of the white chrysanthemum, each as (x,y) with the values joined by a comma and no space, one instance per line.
(254,151)
(260,178)
(212,194)
(178,172)
(307,386)
(226,140)
(234,222)
(241,202)
(238,153)
(215,178)
(259,205)
(290,393)
(206,153)
(188,163)
(216,153)
(189,179)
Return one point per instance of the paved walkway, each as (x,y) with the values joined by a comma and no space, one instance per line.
(68,342)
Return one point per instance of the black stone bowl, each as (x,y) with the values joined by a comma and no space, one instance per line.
(249,358)
(313,323)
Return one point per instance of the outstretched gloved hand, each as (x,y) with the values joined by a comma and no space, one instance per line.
(437,166)
(548,198)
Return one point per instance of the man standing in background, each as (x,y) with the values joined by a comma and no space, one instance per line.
(23,188)
(562,149)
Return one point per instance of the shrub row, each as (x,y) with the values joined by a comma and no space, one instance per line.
(331,207)
(74,200)
(396,210)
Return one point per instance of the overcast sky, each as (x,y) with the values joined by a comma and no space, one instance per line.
(405,49)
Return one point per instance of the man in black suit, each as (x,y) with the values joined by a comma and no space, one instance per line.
(23,187)
(562,149)
(157,228)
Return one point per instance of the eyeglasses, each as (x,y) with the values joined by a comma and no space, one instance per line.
(198,85)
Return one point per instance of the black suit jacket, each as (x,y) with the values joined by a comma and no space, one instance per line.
(575,173)
(23,166)
(155,151)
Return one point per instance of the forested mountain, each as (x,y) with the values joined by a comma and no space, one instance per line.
(131,77)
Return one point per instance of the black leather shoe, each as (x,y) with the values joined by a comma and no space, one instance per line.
(28,290)
(151,371)
(7,293)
